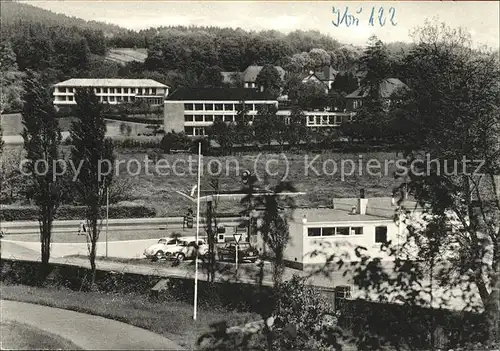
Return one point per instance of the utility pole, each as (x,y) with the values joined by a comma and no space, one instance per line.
(107,219)
(197,233)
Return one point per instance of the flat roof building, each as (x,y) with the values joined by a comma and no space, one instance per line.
(329,234)
(112,91)
(192,111)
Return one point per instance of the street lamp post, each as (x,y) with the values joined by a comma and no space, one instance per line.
(237,238)
(107,219)
(197,233)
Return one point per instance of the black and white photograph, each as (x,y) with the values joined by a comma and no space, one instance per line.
(250,175)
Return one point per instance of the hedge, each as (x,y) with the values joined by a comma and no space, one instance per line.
(230,295)
(74,212)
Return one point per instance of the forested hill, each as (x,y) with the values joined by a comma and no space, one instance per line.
(15,12)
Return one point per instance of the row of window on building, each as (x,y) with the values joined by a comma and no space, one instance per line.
(113,99)
(222,106)
(380,232)
(140,91)
(195,131)
(312,120)
(325,120)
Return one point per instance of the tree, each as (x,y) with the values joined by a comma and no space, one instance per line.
(263,124)
(312,95)
(1,140)
(375,65)
(42,140)
(94,153)
(242,129)
(319,58)
(12,80)
(345,82)
(297,129)
(273,220)
(174,141)
(455,103)
(223,133)
(281,129)
(373,115)
(211,77)
(270,80)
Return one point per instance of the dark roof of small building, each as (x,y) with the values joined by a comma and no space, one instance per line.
(231,94)
(387,88)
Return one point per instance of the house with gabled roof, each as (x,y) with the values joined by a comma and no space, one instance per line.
(326,75)
(387,88)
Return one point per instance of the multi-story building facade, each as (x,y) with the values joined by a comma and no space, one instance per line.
(112,91)
(192,111)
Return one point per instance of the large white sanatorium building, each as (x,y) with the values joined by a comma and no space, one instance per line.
(112,91)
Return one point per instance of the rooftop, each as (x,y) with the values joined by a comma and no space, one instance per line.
(327,73)
(251,73)
(111,82)
(378,208)
(387,88)
(219,94)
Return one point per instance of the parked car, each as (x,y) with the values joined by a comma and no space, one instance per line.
(188,250)
(166,247)
(245,252)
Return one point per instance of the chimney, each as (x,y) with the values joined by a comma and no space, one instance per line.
(304,220)
(311,72)
(362,202)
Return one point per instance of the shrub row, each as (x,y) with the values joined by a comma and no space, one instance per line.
(375,323)
(74,212)
(227,294)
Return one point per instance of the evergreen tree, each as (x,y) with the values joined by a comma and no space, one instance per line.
(42,139)
(93,153)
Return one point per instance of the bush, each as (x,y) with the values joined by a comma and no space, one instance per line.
(174,141)
(75,212)
(303,320)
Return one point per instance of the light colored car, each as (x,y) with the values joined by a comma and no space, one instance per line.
(188,249)
(166,247)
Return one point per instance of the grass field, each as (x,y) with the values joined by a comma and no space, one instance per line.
(320,184)
(171,319)
(319,175)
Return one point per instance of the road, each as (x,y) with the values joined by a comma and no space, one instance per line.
(85,331)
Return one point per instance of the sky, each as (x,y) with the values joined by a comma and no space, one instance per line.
(481,18)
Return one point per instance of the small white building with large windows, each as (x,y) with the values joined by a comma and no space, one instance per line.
(321,235)
(112,91)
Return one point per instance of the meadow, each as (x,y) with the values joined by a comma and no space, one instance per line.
(321,176)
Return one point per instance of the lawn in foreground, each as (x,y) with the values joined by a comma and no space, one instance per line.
(171,319)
